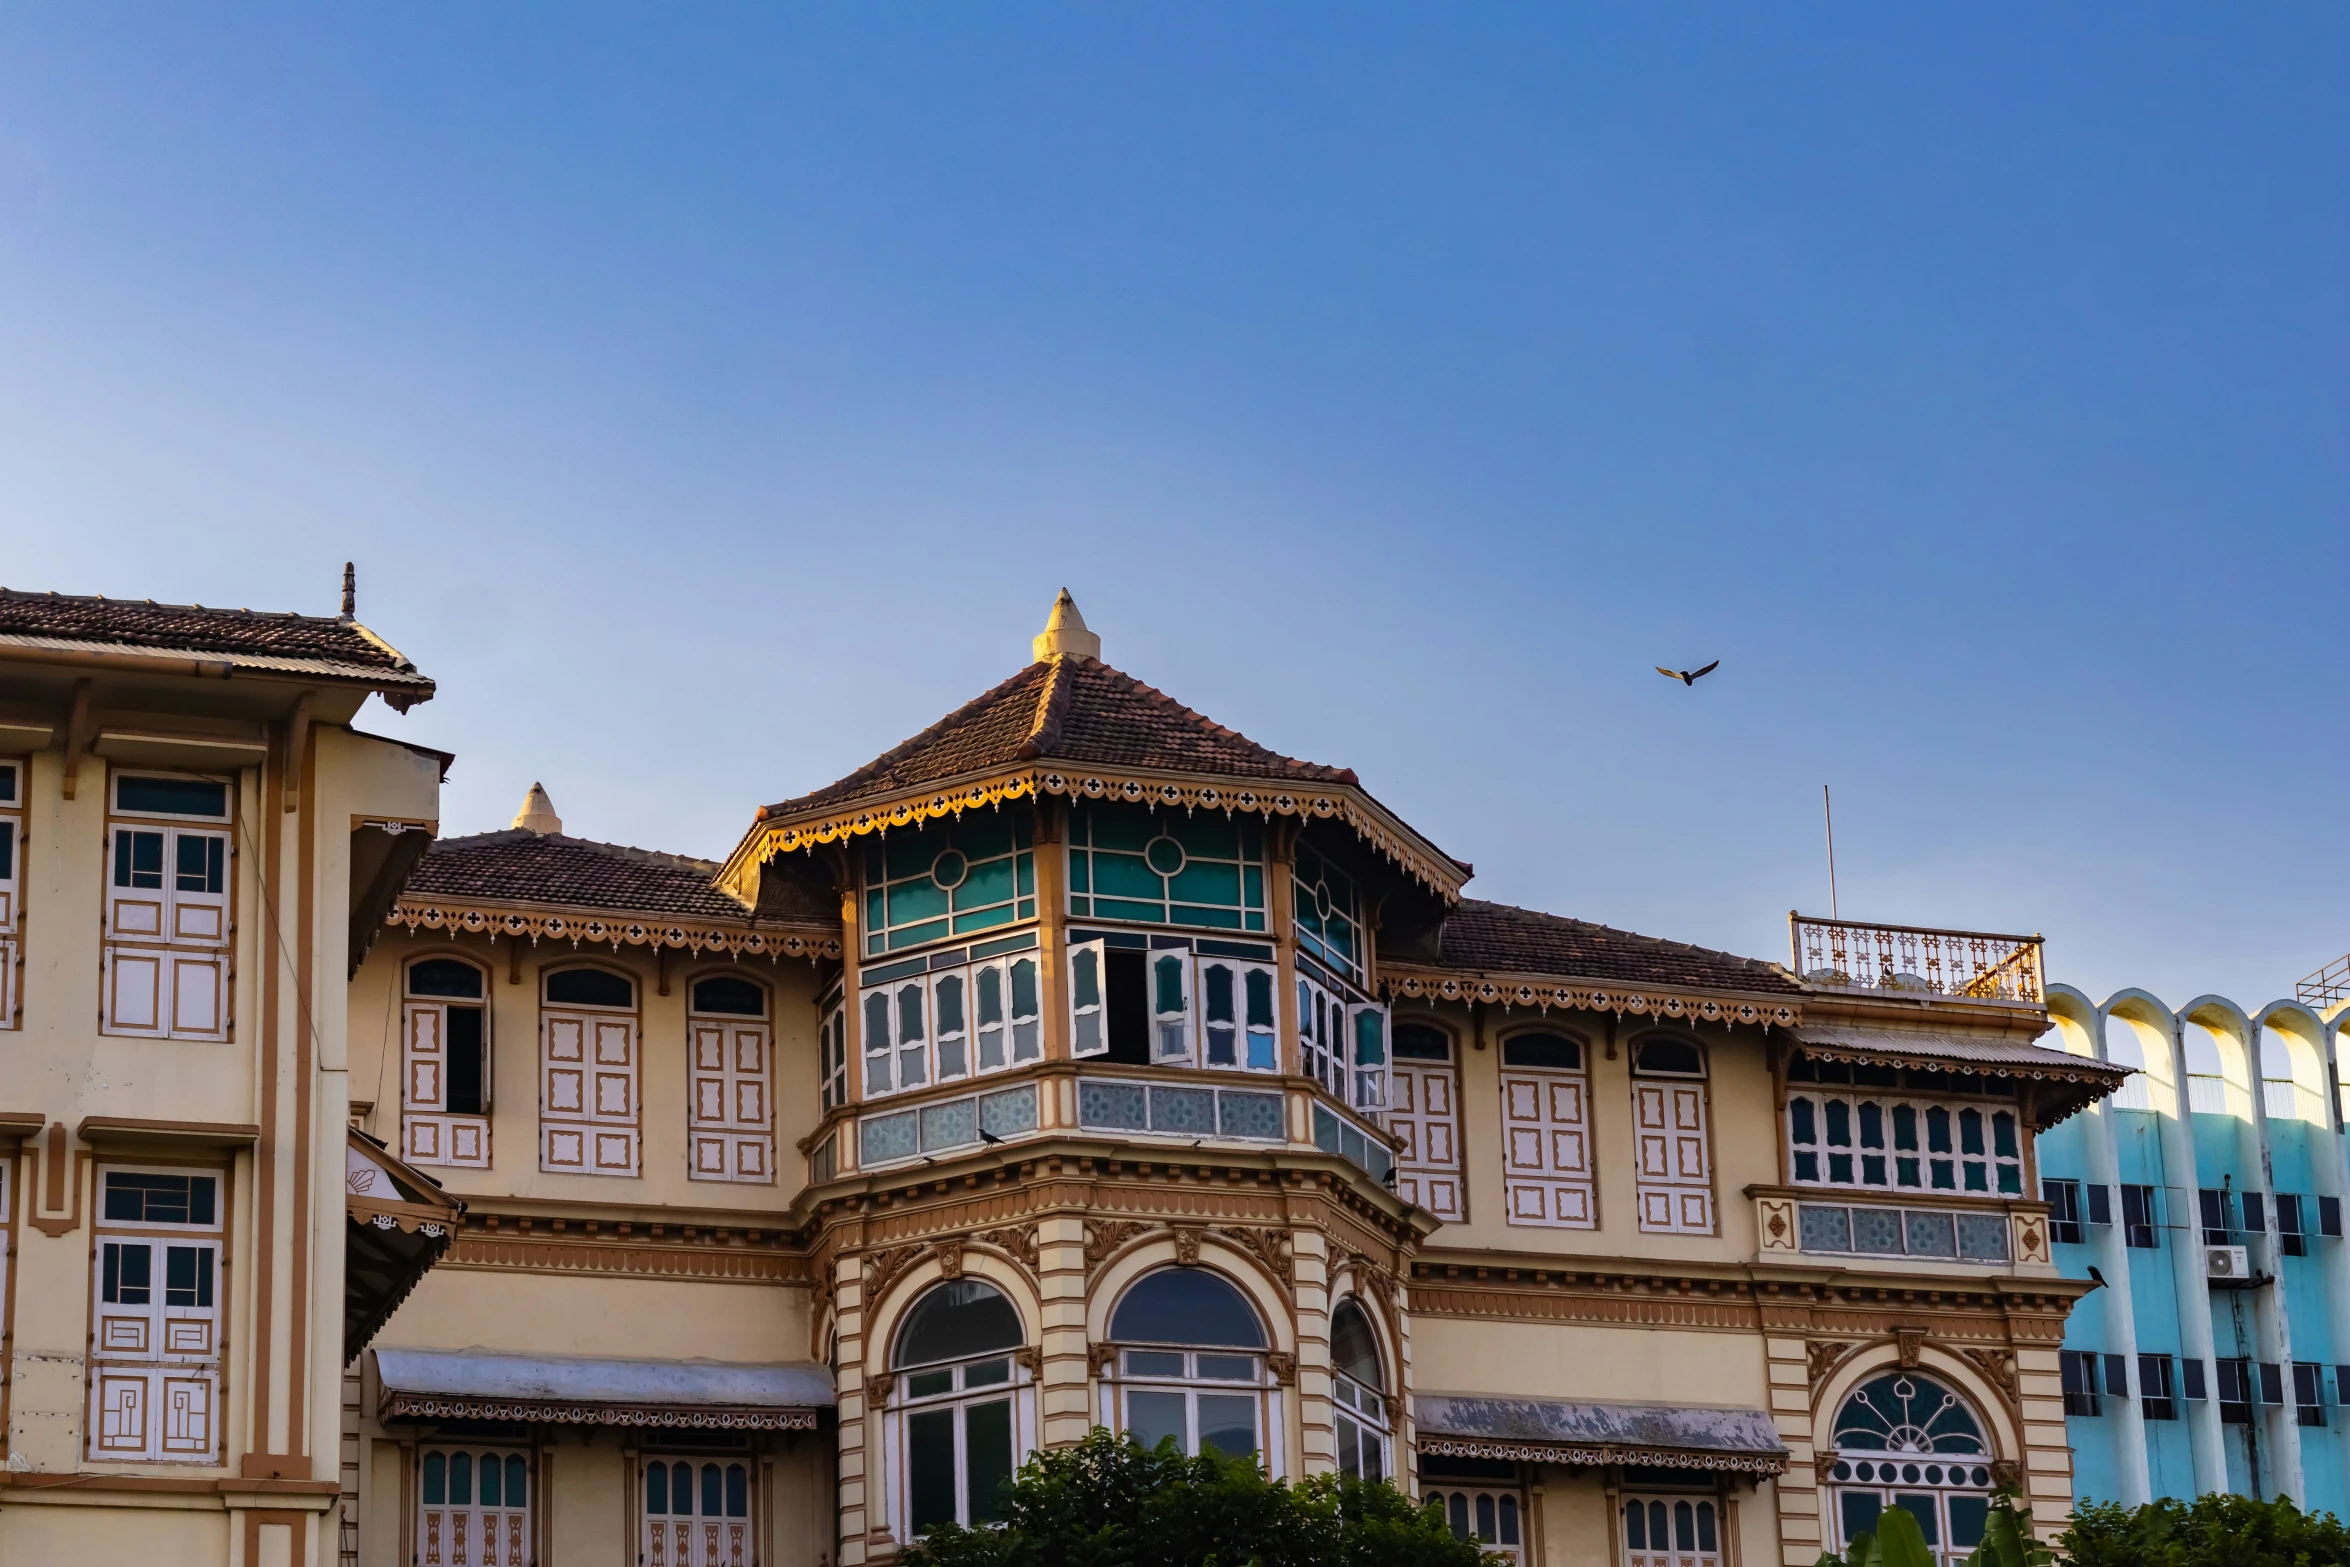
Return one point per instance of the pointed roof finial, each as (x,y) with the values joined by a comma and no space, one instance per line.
(1064,632)
(538,812)
(350,591)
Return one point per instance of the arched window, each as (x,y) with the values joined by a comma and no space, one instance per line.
(690,1505)
(589,1101)
(445,1063)
(1671,1141)
(730,1131)
(1358,1385)
(957,1405)
(1546,1132)
(1904,1440)
(1191,1363)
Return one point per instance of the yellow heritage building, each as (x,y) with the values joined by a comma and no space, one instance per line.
(1078,1062)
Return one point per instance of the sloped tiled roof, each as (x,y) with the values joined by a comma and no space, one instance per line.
(319,643)
(1496,938)
(1068,709)
(520,866)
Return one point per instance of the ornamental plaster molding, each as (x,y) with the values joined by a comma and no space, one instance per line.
(718,1264)
(425,1406)
(1506,990)
(1595,1457)
(461,918)
(1369,823)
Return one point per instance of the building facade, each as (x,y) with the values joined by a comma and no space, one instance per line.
(2207,1197)
(1081,1062)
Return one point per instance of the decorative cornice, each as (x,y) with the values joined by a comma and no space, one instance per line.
(1595,1457)
(462,918)
(1369,822)
(1520,990)
(425,1406)
(475,1250)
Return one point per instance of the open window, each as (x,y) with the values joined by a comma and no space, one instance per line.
(445,1063)
(1089,1011)
(1170,1001)
(1367,1024)
(1006,1016)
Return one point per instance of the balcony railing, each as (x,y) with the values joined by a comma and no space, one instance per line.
(1970,965)
(2325,987)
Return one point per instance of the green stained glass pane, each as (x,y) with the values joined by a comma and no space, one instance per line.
(1081,907)
(916,900)
(989,882)
(1027,867)
(915,935)
(1205,881)
(1193,914)
(1370,1038)
(1120,909)
(910,853)
(876,910)
(1126,876)
(1252,887)
(1211,837)
(1126,827)
(985,919)
(1080,871)
(985,835)
(1027,909)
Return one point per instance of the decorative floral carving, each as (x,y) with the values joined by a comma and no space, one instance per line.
(1909,1343)
(882,1268)
(1821,1357)
(1186,1246)
(1997,1366)
(1283,1366)
(1823,1464)
(1371,1279)
(458,918)
(1019,1240)
(1778,1225)
(1266,1245)
(1099,1358)
(1104,1236)
(950,1259)
(880,1385)
(1030,1359)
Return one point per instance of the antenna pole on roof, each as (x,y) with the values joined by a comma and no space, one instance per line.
(1828,810)
(350,591)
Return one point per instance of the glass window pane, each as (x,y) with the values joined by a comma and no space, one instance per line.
(461,1480)
(1684,1527)
(1509,1520)
(1024,988)
(987,1457)
(1858,1512)
(1153,1417)
(1186,1306)
(517,1481)
(1636,1526)
(1968,1515)
(956,1320)
(713,1495)
(1487,1529)
(738,1491)
(436,1480)
(1922,1508)
(930,1468)
(1354,1349)
(1223,1368)
(493,1481)
(1457,1514)
(991,997)
(1228,1423)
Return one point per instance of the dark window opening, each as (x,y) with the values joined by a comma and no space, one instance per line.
(7,850)
(1669,1057)
(2235,1391)
(724,993)
(2064,1211)
(2216,1223)
(1553,1051)
(2100,1204)
(445,977)
(2157,1396)
(590,987)
(2329,1217)
(171,796)
(1419,1042)
(134,1197)
(2309,1395)
(2290,1239)
(2138,1217)
(2272,1382)
(2079,1367)
(1127,981)
(465,1062)
(2254,1222)
(2191,1380)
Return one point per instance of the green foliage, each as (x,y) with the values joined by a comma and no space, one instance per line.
(1108,1502)
(2211,1531)
(1899,1542)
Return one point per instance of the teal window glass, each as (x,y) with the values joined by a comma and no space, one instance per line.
(949,879)
(1129,862)
(1327,915)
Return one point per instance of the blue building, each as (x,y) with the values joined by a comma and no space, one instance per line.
(2208,1197)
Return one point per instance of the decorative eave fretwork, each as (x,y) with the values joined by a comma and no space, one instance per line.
(1416,983)
(430,1406)
(1368,820)
(607,929)
(1596,1457)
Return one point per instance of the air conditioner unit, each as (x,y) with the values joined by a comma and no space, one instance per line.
(2229,1263)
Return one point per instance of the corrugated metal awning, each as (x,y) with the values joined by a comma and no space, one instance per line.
(1564,1431)
(480,1384)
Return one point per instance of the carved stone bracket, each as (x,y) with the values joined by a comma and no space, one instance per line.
(1823,1465)
(1909,1344)
(880,1385)
(1186,1246)
(1998,1368)
(1372,1278)
(1030,1359)
(1283,1366)
(950,1259)
(2006,1472)
(1099,1358)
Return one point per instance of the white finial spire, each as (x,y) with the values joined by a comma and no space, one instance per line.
(538,812)
(1064,632)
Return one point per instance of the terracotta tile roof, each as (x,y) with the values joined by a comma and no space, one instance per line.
(1499,939)
(258,638)
(520,866)
(1064,709)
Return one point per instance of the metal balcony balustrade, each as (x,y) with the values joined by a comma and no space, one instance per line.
(2326,988)
(1967,965)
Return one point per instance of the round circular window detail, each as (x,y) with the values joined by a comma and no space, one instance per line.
(1163,854)
(1322,899)
(949,869)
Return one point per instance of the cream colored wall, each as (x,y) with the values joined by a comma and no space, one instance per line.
(662,1072)
(1581,1361)
(1740,1104)
(1575,1520)
(145,1533)
(588,1513)
(456,1307)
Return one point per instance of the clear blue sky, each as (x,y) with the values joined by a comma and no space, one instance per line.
(712,397)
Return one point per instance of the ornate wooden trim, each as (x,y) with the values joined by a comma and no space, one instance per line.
(1105,1236)
(462,918)
(426,1406)
(1543,993)
(1595,1457)
(474,1249)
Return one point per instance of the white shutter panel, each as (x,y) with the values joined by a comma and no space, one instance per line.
(1676,1170)
(1089,1012)
(1424,1112)
(1170,999)
(1547,1150)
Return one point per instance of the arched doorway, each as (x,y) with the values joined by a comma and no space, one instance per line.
(1905,1440)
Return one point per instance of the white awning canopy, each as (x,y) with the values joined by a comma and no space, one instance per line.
(480,1384)
(1563,1431)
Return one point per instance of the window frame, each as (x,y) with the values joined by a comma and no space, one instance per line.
(1084,901)
(158,961)
(1706,1509)
(1679,1203)
(1438,1185)
(1509,1507)
(2064,1210)
(731,1136)
(597,1127)
(518,1521)
(1555,1181)
(1121,1378)
(159,1360)
(431,1133)
(903,1403)
(1818,1148)
(1359,1412)
(885,939)
(12,819)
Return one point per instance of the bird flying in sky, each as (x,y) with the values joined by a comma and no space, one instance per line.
(1688,677)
